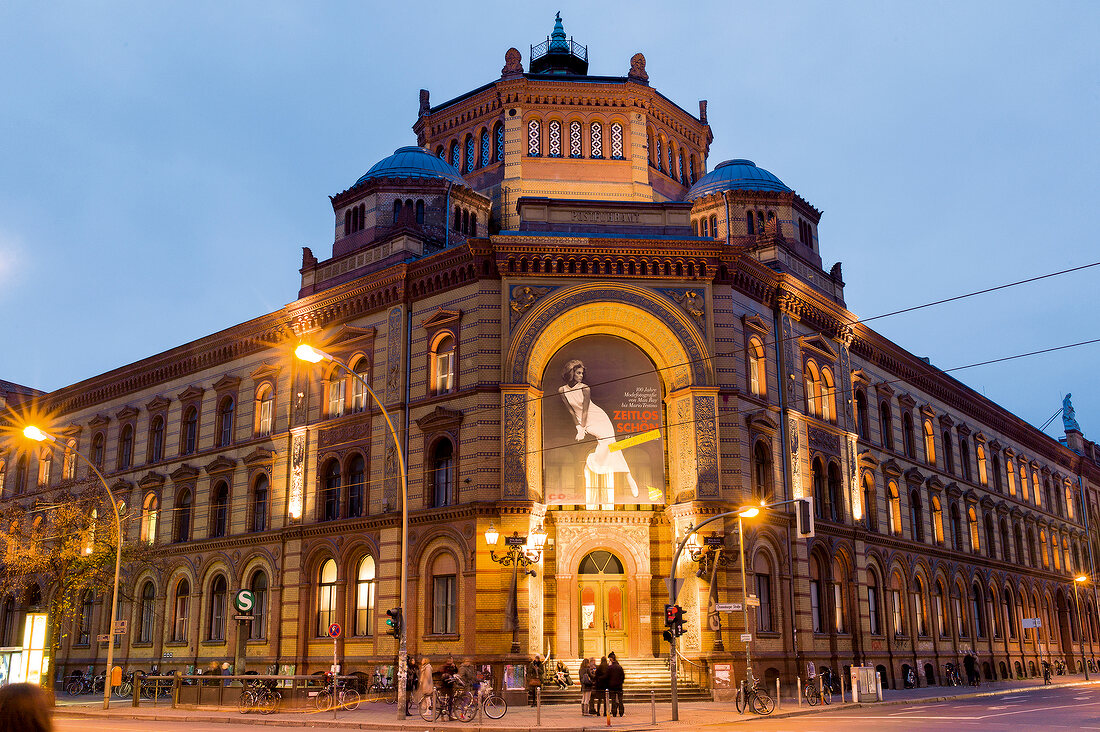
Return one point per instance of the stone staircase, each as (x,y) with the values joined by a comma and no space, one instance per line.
(642,676)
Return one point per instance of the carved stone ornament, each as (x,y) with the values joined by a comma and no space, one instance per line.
(822,440)
(513,63)
(425,104)
(692,303)
(637,68)
(523,297)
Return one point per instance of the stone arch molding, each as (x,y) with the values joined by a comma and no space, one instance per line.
(644,317)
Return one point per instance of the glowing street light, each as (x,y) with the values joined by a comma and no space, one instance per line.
(1080,627)
(308,353)
(32,432)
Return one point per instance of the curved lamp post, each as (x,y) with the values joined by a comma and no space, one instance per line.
(516,557)
(34,433)
(1080,622)
(310,354)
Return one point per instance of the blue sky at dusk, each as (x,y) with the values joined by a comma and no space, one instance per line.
(161,165)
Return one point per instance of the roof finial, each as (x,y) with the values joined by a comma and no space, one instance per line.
(557,38)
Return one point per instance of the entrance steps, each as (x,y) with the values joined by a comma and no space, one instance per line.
(643,675)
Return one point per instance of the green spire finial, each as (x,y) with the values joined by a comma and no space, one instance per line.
(557,38)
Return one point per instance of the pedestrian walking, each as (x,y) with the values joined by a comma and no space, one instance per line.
(615,678)
(599,687)
(426,687)
(586,678)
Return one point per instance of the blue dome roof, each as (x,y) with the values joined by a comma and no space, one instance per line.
(736,175)
(412,162)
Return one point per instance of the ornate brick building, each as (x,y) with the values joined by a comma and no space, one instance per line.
(548,270)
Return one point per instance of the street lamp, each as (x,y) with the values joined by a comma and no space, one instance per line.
(310,354)
(709,557)
(34,433)
(1080,627)
(744,513)
(517,556)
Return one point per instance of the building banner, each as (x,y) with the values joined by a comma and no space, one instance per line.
(598,391)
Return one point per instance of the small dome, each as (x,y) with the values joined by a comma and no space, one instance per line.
(736,175)
(412,162)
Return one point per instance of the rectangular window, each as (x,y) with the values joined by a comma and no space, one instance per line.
(444,605)
(960,619)
(183,609)
(838,608)
(941,624)
(444,372)
(364,607)
(217,616)
(872,610)
(336,397)
(764,611)
(899,627)
(815,605)
(326,609)
(264,427)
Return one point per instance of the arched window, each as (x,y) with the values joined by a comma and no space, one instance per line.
(1047,494)
(920,613)
(364,596)
(326,597)
(486,148)
(258,626)
(929,443)
(219,510)
(149,510)
(595,140)
(705,226)
(873,622)
(553,139)
(616,141)
(895,507)
(948,452)
(862,420)
(714,225)
(156,439)
(870,509)
(750,223)
(907,437)
(836,507)
(442,474)
(671,160)
(1032,556)
(758,367)
(990,544)
(1024,493)
(763,584)
(335,387)
(957,597)
(456,155)
(916,515)
(84,626)
(840,597)
(146,619)
(897,604)
(1006,547)
(956,528)
(216,613)
(45,465)
(1069,502)
(660,164)
(977,610)
(358,391)
(471,153)
(937,602)
(964,457)
(498,139)
(183,515)
(983,470)
(190,431)
(1018,539)
(260,496)
(886,426)
(97,460)
(1010,612)
(356,486)
(993,612)
(181,611)
(575,150)
(816,596)
(534,138)
(420,212)
(444,574)
(997,482)
(975,534)
(1055,553)
(265,410)
(68,467)
(443,364)
(397,210)
(937,520)
(1011,476)
(828,395)
(125,447)
(817,485)
(473,223)
(225,422)
(762,471)
(330,492)
(813,389)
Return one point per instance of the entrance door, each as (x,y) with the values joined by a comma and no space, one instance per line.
(602,593)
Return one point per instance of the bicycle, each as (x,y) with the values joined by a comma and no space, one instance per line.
(1046,673)
(492,704)
(754,698)
(813,696)
(260,695)
(337,694)
(382,688)
(951,675)
(462,706)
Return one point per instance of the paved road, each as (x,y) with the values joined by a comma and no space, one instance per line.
(1053,709)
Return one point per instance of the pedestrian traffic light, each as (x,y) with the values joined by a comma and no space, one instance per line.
(394,621)
(670,615)
(678,621)
(805,517)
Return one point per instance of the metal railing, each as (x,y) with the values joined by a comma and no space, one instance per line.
(576,49)
(698,673)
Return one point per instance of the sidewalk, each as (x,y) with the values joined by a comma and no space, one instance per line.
(560,718)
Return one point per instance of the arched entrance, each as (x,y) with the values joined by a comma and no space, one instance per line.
(602,591)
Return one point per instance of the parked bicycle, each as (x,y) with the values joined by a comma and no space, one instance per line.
(813,696)
(951,675)
(910,678)
(1046,673)
(126,686)
(382,689)
(461,706)
(336,693)
(1059,667)
(259,695)
(754,698)
(492,704)
(830,681)
(80,683)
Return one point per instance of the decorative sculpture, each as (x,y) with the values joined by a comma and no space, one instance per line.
(1068,420)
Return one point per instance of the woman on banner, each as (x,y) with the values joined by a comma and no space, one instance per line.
(589,419)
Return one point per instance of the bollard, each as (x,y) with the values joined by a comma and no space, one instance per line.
(538,706)
(652,707)
(842,689)
(176,682)
(607,706)
(777,704)
(799,691)
(137,689)
(878,687)
(820,688)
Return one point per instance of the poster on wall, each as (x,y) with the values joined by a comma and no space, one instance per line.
(598,391)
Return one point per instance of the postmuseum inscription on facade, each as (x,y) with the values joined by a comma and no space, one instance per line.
(606,217)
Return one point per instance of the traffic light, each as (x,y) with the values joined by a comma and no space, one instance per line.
(678,621)
(805,518)
(394,621)
(670,615)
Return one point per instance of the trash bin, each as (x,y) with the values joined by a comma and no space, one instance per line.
(863,684)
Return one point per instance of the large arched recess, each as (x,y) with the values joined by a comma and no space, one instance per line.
(654,323)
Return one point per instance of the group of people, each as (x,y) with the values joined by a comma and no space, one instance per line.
(419,680)
(595,678)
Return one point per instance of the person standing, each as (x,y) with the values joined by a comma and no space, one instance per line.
(448,680)
(599,688)
(426,687)
(586,685)
(615,678)
(534,679)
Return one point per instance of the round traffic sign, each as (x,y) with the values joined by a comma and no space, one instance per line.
(244,600)
(334,630)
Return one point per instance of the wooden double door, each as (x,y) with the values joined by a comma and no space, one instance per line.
(602,592)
